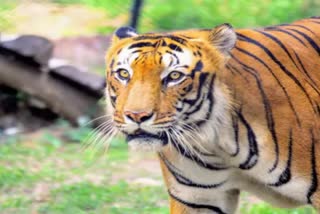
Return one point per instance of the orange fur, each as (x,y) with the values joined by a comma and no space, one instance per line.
(271,83)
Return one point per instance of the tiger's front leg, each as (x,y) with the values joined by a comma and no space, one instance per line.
(186,200)
(177,207)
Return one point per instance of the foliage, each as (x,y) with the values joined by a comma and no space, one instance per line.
(181,14)
(166,15)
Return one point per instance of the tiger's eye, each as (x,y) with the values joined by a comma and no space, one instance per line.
(124,74)
(175,75)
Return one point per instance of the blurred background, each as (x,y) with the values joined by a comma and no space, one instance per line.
(51,101)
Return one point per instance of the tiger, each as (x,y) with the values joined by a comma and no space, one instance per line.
(226,110)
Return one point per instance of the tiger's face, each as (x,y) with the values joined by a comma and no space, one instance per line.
(159,86)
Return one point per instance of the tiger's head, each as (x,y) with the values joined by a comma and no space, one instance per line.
(160,86)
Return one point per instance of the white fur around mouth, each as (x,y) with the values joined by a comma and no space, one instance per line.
(146,144)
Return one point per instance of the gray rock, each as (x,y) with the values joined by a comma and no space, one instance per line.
(38,48)
(86,80)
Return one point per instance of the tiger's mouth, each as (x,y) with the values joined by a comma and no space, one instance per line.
(143,135)
(142,140)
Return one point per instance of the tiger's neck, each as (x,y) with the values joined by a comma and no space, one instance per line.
(218,143)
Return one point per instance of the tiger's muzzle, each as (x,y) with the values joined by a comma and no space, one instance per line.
(140,131)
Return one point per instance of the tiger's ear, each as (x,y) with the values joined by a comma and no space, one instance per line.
(124,32)
(223,37)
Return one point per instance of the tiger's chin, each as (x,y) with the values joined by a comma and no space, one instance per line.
(146,142)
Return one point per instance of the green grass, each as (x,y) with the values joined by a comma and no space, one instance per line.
(10,177)
(264,208)
(118,198)
(76,180)
(84,181)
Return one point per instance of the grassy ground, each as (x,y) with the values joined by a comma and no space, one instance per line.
(43,174)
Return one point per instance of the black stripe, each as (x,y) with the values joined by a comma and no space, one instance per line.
(282,46)
(111,64)
(136,51)
(199,151)
(287,52)
(186,89)
(141,44)
(197,68)
(113,88)
(235,126)
(147,37)
(202,78)
(253,155)
(318,109)
(175,56)
(113,101)
(175,47)
(210,98)
(305,28)
(227,67)
(179,109)
(309,39)
(275,77)
(196,108)
(183,66)
(152,37)
(313,84)
(177,39)
(286,174)
(196,159)
(267,108)
(197,206)
(160,60)
(163,42)
(283,68)
(171,62)
(315,22)
(186,181)
(118,52)
(314,176)
(231,68)
(286,32)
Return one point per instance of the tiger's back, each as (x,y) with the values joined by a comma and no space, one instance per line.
(276,80)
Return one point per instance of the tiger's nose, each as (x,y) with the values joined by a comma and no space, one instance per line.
(138,117)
